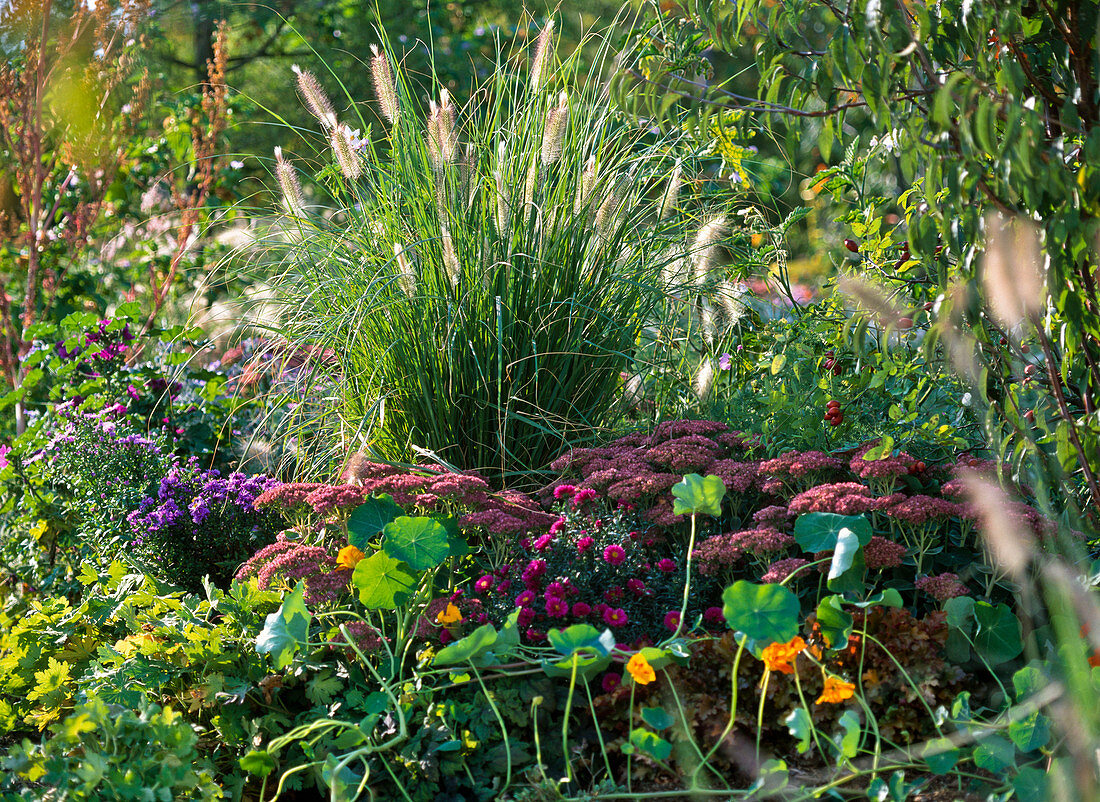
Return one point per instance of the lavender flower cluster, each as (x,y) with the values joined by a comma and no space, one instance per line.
(198,522)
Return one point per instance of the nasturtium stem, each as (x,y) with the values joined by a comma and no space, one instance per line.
(565,720)
(687,581)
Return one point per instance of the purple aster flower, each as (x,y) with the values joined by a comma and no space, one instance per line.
(614,554)
(615,617)
(557,607)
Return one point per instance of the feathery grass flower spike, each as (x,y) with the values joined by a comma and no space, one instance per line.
(541,58)
(349,557)
(385,87)
(780,656)
(554,133)
(640,669)
(836,690)
(288,182)
(315,97)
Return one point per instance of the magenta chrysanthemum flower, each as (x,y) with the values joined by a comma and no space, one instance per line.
(557,607)
(611,681)
(615,617)
(583,495)
(485,583)
(555,590)
(666,565)
(557,526)
(525,599)
(526,617)
(534,570)
(635,586)
(713,615)
(672,620)
(614,554)
(564,491)
(582,610)
(584,544)
(543,543)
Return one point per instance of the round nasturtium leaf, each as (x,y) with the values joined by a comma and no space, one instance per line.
(421,543)
(765,613)
(382,582)
(697,494)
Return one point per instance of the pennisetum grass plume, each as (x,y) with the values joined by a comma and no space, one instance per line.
(316,99)
(672,191)
(442,134)
(540,62)
(345,145)
(288,183)
(385,87)
(553,134)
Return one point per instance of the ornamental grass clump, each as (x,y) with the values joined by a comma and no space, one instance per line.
(486,268)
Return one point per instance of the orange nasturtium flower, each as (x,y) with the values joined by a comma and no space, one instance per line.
(349,557)
(836,690)
(449,615)
(639,668)
(779,656)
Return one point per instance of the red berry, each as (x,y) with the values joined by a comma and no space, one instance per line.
(833,404)
(1030,370)
(1029,416)
(919,467)
(837,419)
(905,323)
(851,245)
(837,370)
(1024,349)
(1004,341)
